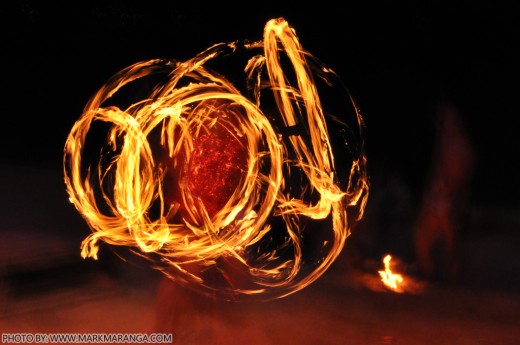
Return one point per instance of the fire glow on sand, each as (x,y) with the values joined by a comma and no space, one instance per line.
(243,188)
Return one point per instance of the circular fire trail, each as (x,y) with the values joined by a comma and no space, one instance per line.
(234,186)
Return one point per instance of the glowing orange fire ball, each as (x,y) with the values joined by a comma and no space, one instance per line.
(235,189)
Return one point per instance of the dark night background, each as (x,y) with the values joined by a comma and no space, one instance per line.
(399,59)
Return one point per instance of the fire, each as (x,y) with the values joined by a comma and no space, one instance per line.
(390,279)
(236,189)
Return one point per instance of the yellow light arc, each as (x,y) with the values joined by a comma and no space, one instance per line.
(120,198)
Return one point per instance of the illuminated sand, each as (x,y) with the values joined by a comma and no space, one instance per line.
(482,309)
(328,312)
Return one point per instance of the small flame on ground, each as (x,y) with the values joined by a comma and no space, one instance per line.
(387,279)
(390,279)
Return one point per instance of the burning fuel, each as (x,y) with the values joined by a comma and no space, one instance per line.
(389,278)
(234,188)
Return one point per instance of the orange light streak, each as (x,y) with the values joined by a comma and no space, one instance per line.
(296,193)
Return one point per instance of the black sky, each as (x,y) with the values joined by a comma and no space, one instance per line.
(399,59)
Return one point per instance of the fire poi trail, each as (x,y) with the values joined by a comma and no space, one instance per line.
(233,188)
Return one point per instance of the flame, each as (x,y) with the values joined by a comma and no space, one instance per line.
(286,219)
(390,279)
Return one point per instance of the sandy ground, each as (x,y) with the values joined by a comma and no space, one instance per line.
(331,311)
(45,287)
